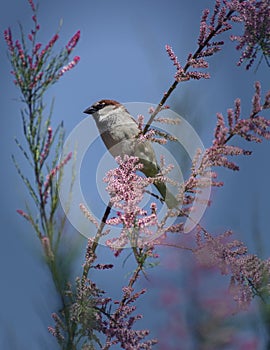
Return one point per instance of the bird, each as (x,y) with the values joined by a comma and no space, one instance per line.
(119,132)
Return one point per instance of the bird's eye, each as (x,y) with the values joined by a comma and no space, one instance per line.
(99,105)
(102,105)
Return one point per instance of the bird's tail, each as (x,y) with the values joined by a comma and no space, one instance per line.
(167,196)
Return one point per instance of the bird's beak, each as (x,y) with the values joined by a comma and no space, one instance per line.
(89,110)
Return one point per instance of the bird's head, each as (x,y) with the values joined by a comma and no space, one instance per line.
(103,107)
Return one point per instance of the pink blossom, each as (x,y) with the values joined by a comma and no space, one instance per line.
(89,215)
(249,274)
(69,66)
(52,42)
(23,214)
(120,328)
(173,57)
(180,73)
(49,45)
(47,145)
(32,5)
(9,41)
(256,101)
(254,128)
(36,48)
(125,186)
(255,16)
(73,42)
(266,104)
(126,189)
(198,75)
(198,63)
(203,26)
(209,28)
(20,51)
(195,61)
(56,331)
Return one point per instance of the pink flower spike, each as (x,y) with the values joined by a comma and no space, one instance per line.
(173,57)
(73,41)
(23,214)
(69,66)
(49,45)
(20,51)
(9,41)
(32,5)
(256,101)
(255,16)
(53,40)
(197,75)
(237,109)
(203,27)
(46,149)
(266,104)
(36,48)
(89,215)
(180,74)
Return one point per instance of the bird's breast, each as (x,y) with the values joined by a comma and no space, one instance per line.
(118,133)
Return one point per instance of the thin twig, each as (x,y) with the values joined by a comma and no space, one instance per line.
(102,225)
(87,265)
(185,69)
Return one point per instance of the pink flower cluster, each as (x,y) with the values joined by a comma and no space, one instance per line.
(73,42)
(88,215)
(23,214)
(125,186)
(210,27)
(92,312)
(153,134)
(35,69)
(9,40)
(255,128)
(249,274)
(47,146)
(213,26)
(69,66)
(56,331)
(126,189)
(119,329)
(255,16)
(181,72)
(32,5)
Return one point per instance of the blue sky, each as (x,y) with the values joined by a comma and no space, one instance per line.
(122,50)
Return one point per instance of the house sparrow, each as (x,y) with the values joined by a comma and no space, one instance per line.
(119,132)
